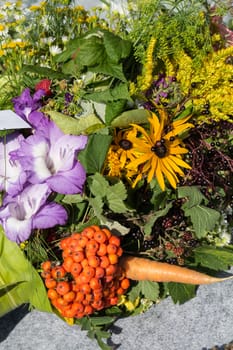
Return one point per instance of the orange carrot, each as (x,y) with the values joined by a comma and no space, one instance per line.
(142,269)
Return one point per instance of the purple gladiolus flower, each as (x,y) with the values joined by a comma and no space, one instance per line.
(49,156)
(25,104)
(12,175)
(30,210)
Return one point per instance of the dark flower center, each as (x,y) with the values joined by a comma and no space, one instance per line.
(125,144)
(159,149)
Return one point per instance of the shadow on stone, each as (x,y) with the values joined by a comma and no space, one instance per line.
(10,320)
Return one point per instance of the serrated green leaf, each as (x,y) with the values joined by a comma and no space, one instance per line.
(150,290)
(216,258)
(98,185)
(203,219)
(115,195)
(180,292)
(16,270)
(136,116)
(97,205)
(72,198)
(150,222)
(193,194)
(94,154)
(75,126)
(103,345)
(116,48)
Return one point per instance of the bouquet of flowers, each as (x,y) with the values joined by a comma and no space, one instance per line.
(118,192)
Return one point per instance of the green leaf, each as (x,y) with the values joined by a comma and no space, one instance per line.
(72,199)
(16,270)
(180,292)
(150,222)
(94,154)
(216,258)
(109,68)
(113,109)
(97,205)
(193,195)
(116,48)
(120,91)
(103,320)
(203,219)
(150,290)
(136,116)
(115,195)
(98,185)
(75,126)
(43,72)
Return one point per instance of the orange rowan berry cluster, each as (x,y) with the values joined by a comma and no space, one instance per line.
(89,277)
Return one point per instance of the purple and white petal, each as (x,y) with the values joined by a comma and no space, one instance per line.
(12,175)
(50,215)
(17,230)
(68,182)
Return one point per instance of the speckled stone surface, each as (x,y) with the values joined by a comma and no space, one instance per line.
(199,324)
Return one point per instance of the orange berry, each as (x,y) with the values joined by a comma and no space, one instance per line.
(110,270)
(125,283)
(67,263)
(111,248)
(104,261)
(46,274)
(79,296)
(85,288)
(63,287)
(77,307)
(76,235)
(92,246)
(70,313)
(100,236)
(95,283)
(70,296)
(58,272)
(75,269)
(84,262)
(89,271)
(99,272)
(115,240)
(46,265)
(78,256)
(50,283)
(120,291)
(88,310)
(67,252)
(113,258)
(61,302)
(119,251)
(93,261)
(98,294)
(97,304)
(82,241)
(102,249)
(52,294)
(64,243)
(88,232)
(108,278)
(107,232)
(88,299)
(113,300)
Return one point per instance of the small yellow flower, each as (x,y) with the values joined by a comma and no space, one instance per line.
(159,150)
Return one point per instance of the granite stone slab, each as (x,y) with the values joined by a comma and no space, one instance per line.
(200,324)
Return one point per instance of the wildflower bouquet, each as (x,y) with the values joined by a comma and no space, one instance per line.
(119,192)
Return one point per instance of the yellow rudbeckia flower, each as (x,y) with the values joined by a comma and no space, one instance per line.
(159,151)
